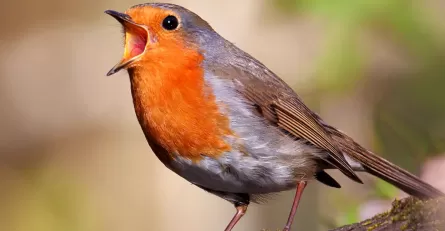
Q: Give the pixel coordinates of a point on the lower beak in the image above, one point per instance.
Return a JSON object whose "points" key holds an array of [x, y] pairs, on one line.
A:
{"points": [[136, 38], [119, 66]]}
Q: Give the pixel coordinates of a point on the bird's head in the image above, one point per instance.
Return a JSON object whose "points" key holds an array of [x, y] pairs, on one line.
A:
{"points": [[159, 32]]}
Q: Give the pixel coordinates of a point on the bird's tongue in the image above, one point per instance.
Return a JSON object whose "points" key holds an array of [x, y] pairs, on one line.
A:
{"points": [[137, 45], [136, 40]]}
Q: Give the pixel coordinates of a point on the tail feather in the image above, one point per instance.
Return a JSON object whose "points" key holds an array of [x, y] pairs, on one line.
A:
{"points": [[384, 169]]}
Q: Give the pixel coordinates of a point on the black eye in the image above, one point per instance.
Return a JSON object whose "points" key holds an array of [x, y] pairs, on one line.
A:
{"points": [[170, 23]]}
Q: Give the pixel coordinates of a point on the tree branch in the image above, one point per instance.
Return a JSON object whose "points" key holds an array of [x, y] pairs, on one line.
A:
{"points": [[406, 215]]}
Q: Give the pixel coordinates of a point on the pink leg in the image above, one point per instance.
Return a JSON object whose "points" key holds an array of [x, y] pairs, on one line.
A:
{"points": [[300, 188], [240, 211]]}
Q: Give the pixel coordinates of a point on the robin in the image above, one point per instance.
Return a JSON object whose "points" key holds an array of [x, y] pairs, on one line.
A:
{"points": [[222, 120]]}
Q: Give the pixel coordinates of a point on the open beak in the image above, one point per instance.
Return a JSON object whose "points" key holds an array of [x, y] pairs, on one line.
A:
{"points": [[136, 38]]}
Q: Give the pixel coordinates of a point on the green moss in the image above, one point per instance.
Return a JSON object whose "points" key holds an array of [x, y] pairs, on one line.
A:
{"points": [[367, 222], [374, 226], [410, 212]]}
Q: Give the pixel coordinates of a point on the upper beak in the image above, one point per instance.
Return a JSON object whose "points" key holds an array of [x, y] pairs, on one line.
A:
{"points": [[136, 38]]}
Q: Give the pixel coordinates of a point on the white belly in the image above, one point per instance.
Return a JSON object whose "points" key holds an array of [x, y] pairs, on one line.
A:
{"points": [[253, 174]]}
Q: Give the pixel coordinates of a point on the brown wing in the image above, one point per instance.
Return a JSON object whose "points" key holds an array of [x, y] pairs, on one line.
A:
{"points": [[283, 108], [300, 122]]}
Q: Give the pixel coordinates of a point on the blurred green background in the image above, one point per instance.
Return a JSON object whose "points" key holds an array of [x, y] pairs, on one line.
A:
{"points": [[72, 156]]}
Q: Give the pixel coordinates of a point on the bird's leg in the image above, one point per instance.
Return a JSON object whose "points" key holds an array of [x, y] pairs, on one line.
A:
{"points": [[240, 200], [240, 211], [300, 188]]}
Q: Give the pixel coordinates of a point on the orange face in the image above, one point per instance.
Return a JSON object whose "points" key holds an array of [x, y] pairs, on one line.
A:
{"points": [[147, 28]]}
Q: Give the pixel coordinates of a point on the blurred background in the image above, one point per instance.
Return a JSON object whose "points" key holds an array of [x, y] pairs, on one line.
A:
{"points": [[72, 155]]}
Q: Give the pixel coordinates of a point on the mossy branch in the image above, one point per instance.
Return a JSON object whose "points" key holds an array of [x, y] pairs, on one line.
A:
{"points": [[406, 215]]}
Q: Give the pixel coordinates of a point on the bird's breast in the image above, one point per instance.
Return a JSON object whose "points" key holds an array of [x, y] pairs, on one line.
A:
{"points": [[180, 114]]}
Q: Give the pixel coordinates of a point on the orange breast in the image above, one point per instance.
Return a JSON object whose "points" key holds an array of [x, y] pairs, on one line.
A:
{"points": [[175, 107]]}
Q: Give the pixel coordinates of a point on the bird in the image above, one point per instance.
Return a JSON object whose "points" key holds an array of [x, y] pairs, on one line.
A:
{"points": [[223, 121]]}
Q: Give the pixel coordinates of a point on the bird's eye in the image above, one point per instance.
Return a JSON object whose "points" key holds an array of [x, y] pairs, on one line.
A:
{"points": [[170, 22]]}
